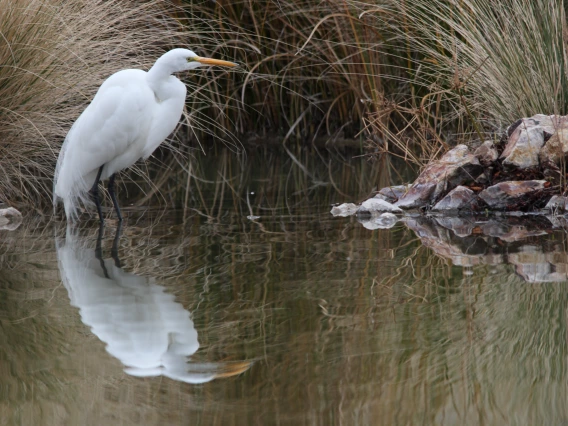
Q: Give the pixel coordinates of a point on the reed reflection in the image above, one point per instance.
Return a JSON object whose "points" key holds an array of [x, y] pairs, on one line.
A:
{"points": [[141, 324]]}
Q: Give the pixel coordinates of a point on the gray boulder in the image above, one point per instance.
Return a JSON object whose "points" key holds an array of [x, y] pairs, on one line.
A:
{"points": [[557, 203], [378, 205], [524, 146], [460, 198], [392, 193], [455, 168], [507, 194], [556, 147], [486, 153], [345, 209]]}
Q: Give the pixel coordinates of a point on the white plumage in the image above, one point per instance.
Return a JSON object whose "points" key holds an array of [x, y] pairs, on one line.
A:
{"points": [[141, 325], [132, 113]]}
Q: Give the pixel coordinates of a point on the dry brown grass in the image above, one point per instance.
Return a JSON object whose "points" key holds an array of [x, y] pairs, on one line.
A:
{"points": [[473, 67], [54, 56], [313, 69], [416, 76]]}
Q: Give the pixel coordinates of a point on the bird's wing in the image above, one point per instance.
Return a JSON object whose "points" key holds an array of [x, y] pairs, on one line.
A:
{"points": [[115, 124]]}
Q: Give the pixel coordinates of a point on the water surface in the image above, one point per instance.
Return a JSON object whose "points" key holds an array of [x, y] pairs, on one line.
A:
{"points": [[254, 306]]}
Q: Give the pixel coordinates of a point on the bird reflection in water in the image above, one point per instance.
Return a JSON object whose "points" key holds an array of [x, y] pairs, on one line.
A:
{"points": [[142, 325]]}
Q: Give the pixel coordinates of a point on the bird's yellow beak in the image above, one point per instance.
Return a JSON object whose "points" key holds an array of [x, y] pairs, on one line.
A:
{"points": [[211, 61]]}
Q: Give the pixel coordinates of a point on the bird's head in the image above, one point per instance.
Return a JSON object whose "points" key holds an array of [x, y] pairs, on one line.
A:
{"points": [[184, 59]]}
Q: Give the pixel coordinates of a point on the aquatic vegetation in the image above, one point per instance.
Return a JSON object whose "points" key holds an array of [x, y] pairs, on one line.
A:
{"points": [[409, 78]]}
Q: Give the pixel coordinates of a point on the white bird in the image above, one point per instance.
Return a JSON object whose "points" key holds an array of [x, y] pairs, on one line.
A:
{"points": [[140, 323], [130, 116]]}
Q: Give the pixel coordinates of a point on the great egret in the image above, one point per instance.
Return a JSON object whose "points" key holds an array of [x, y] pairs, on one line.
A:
{"points": [[129, 117]]}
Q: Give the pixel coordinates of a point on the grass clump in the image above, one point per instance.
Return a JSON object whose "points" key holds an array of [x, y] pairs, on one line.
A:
{"points": [[473, 67], [414, 77], [53, 57], [314, 69]]}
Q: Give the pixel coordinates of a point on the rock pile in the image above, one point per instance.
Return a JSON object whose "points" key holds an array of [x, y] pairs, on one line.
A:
{"points": [[521, 172]]}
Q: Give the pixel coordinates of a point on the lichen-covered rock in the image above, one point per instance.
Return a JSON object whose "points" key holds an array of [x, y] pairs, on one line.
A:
{"points": [[345, 209], [378, 205], [392, 193], [456, 167], [524, 146], [505, 195], [486, 153], [549, 123], [459, 198]]}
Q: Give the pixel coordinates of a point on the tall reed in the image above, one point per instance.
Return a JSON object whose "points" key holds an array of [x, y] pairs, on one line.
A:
{"points": [[314, 69], [474, 65]]}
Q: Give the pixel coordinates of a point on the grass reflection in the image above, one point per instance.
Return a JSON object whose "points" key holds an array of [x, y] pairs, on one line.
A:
{"points": [[344, 325]]}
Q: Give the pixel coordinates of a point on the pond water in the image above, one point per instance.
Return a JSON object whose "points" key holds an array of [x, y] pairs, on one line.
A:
{"points": [[253, 305]]}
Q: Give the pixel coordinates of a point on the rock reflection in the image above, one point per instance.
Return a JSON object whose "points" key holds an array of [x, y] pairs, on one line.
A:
{"points": [[140, 323], [533, 245]]}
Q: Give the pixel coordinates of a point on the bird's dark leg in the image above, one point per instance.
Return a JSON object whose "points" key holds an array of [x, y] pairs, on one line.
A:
{"points": [[99, 249], [114, 250], [113, 196], [95, 194]]}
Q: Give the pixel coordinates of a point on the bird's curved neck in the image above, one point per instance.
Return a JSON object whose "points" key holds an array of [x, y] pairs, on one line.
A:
{"points": [[158, 78]]}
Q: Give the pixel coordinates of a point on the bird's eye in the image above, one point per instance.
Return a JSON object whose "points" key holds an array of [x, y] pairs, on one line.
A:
{"points": [[190, 59]]}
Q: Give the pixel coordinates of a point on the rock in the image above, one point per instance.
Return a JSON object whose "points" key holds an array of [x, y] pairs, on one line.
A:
{"points": [[417, 196], [556, 147], [459, 198], [549, 124], [557, 203], [525, 141], [551, 172], [378, 205], [482, 179], [383, 221], [10, 219], [392, 193], [524, 146], [345, 209], [455, 168], [507, 194], [486, 153]]}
